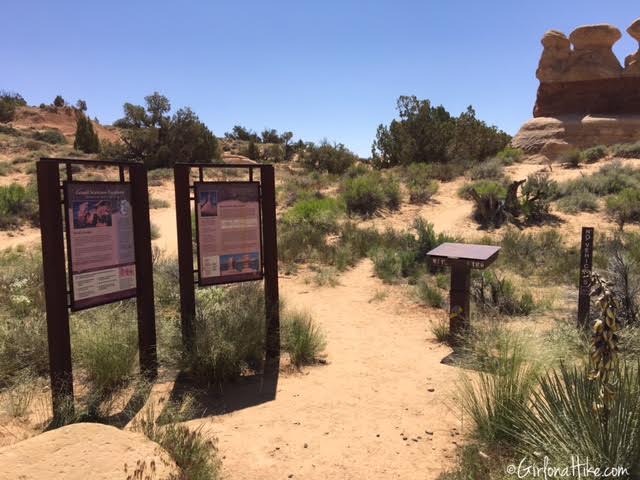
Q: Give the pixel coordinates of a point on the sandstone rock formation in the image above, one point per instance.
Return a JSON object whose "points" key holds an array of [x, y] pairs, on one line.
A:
{"points": [[86, 451], [632, 62], [592, 56], [586, 97], [555, 56], [553, 136]]}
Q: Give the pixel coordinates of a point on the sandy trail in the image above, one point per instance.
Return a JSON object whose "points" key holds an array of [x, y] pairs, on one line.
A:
{"points": [[355, 412]]}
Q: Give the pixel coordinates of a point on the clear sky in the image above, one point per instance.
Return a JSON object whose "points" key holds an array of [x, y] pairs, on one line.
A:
{"points": [[326, 68]]}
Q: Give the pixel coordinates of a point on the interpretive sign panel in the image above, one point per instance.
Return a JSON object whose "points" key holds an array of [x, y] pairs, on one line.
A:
{"points": [[229, 233], [100, 243]]}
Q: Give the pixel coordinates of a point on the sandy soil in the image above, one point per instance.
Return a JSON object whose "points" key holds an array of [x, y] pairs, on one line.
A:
{"points": [[382, 407]]}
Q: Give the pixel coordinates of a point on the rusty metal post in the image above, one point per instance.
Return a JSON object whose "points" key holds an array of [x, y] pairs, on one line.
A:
{"points": [[459, 300], [144, 271], [185, 253], [55, 287], [272, 299]]}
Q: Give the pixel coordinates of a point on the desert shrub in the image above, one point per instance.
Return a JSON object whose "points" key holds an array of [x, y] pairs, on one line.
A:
{"points": [[572, 158], [429, 294], [624, 276], [418, 180], [155, 231], [561, 419], [159, 176], [367, 194], [105, 345], [488, 197], [578, 201], [624, 207], [510, 155], [23, 334], [53, 137], [357, 170], [59, 101], [230, 333], [490, 291], [399, 255], [536, 194], [334, 158], [489, 169], [422, 192], [195, 453], [8, 130], [252, 151], [593, 154], [387, 265], [302, 338], [541, 253], [305, 226], [19, 396], [445, 172], [5, 169], [609, 179], [440, 330], [626, 150], [391, 192], [17, 204], [496, 399], [34, 145], [158, 203]]}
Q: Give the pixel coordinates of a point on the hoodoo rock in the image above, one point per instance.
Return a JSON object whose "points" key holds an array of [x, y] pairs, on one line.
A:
{"points": [[586, 97], [632, 62], [555, 56], [592, 56]]}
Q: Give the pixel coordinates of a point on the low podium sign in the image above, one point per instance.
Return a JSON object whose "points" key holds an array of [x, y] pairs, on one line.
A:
{"points": [[461, 258]]}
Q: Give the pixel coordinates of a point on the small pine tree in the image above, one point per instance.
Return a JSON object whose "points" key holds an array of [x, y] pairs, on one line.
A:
{"points": [[86, 138], [58, 101]]}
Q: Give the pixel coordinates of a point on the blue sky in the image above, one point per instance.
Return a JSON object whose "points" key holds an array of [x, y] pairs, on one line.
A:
{"points": [[320, 69]]}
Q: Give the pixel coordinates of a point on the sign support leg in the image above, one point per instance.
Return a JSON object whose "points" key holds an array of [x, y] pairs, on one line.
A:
{"points": [[144, 272], [459, 300], [185, 254], [55, 288], [272, 300]]}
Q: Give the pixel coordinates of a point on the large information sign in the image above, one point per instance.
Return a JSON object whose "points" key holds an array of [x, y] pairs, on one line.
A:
{"points": [[228, 232], [100, 242]]}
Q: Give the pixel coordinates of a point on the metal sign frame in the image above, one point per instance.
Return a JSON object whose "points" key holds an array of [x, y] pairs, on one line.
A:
{"points": [[189, 277], [53, 227]]}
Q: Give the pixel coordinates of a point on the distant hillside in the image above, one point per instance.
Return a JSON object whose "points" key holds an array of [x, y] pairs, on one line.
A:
{"points": [[62, 119]]}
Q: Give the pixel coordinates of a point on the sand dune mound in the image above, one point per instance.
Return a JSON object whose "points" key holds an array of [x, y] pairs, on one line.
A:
{"points": [[86, 451]]}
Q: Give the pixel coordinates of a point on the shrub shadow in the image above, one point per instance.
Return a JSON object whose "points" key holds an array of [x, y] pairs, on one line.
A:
{"points": [[244, 392]]}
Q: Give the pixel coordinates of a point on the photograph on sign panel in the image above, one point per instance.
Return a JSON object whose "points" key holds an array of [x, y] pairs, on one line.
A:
{"points": [[101, 242], [239, 263], [228, 230], [92, 214], [208, 204]]}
